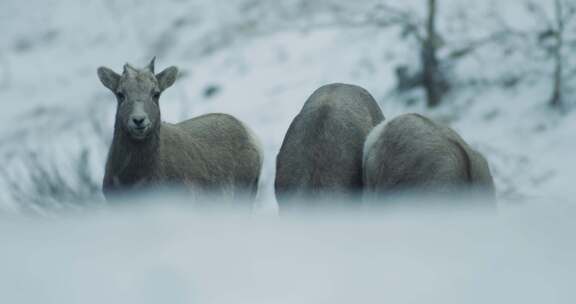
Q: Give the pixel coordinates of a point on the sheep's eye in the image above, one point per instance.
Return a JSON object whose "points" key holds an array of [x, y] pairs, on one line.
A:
{"points": [[156, 94], [120, 96]]}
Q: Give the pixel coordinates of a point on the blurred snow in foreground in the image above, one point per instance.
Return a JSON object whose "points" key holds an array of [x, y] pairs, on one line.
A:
{"points": [[174, 255]]}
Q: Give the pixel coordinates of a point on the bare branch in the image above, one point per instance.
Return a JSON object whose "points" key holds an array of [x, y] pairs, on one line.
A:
{"points": [[5, 68], [556, 99], [539, 13]]}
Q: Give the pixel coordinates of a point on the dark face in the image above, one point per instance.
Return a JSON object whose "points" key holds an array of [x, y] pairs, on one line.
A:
{"points": [[138, 92], [138, 111]]}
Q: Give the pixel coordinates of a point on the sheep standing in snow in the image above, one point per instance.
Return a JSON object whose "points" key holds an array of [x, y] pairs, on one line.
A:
{"points": [[321, 156], [411, 153], [213, 153]]}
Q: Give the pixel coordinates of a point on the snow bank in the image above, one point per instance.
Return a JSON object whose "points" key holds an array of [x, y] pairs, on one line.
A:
{"points": [[172, 255]]}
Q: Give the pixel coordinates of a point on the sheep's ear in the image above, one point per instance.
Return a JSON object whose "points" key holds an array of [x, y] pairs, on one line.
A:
{"points": [[167, 77], [108, 78]]}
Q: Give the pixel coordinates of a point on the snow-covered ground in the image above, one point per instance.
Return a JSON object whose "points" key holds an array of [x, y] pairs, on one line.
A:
{"points": [[171, 255], [263, 59]]}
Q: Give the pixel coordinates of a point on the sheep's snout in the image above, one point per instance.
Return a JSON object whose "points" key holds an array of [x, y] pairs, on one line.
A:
{"points": [[139, 125]]}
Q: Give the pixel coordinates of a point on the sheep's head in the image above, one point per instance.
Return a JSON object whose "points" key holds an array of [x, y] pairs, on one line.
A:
{"points": [[138, 92]]}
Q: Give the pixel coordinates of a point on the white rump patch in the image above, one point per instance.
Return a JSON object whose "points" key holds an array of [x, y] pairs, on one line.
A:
{"points": [[255, 142], [372, 138]]}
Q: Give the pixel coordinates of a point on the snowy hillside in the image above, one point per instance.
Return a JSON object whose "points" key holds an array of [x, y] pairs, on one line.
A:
{"points": [[260, 61]]}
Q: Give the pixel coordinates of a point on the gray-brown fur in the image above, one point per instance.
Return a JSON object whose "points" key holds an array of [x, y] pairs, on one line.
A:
{"points": [[413, 153], [212, 154], [321, 154]]}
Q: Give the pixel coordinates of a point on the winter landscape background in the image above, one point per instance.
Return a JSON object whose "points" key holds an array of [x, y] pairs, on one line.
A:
{"points": [[259, 60]]}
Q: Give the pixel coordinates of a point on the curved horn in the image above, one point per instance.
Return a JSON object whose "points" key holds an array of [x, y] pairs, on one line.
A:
{"points": [[129, 70], [151, 64]]}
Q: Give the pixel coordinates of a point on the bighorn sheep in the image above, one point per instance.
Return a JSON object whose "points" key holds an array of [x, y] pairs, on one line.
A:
{"points": [[211, 154], [321, 156], [413, 154]]}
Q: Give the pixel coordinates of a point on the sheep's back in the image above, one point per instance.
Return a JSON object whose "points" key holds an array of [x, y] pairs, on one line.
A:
{"points": [[215, 151], [322, 150], [413, 152]]}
